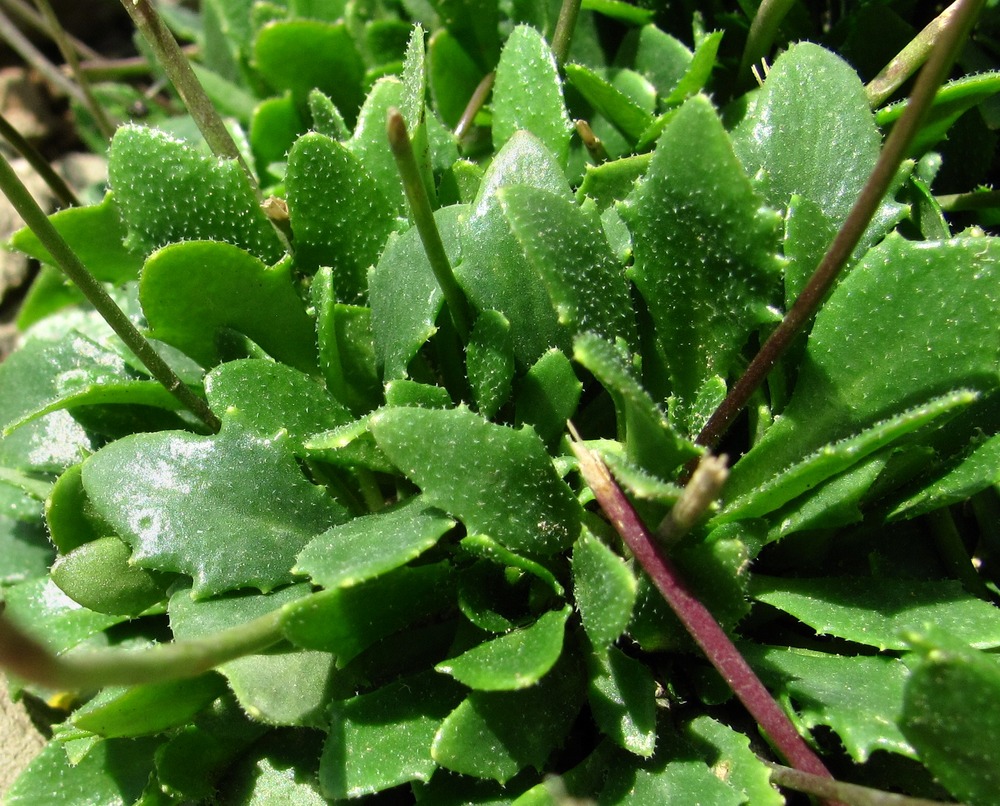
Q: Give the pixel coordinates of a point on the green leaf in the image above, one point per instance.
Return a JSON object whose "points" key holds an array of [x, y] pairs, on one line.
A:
{"points": [[260, 682], [495, 734], [705, 252], [73, 371], [698, 71], [833, 459], [190, 291], [149, 708], [372, 545], [899, 353], [860, 698], [275, 126], [819, 143], [383, 739], [516, 660], [612, 181], [616, 106], [209, 198], [494, 273], [548, 396], [329, 192], [96, 235], [474, 23], [326, 118], [496, 480], [266, 398], [453, 76], [303, 55], [949, 714], [729, 754], [876, 612], [619, 10], [70, 516], [99, 576], [489, 362], [566, 245], [115, 771], [414, 80], [404, 295], [604, 589], [527, 61], [39, 607], [404, 392], [368, 143], [487, 548], [622, 694], [346, 621], [175, 498], [976, 472], [25, 549], [650, 440]]}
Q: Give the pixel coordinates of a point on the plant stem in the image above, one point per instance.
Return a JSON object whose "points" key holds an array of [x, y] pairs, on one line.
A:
{"points": [[847, 238], [479, 96], [19, 43], [695, 617], [569, 11], [598, 153], [42, 167], [908, 60], [92, 289], [852, 794], [34, 19], [130, 67], [25, 657], [763, 30], [58, 33], [178, 69], [423, 218]]}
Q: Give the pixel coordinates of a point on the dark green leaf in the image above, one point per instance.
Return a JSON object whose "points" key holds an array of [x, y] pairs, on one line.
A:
{"points": [[729, 754], [604, 589], [548, 396], [622, 698], [949, 714], [489, 362], [383, 739], [453, 76], [498, 481], [705, 252]]}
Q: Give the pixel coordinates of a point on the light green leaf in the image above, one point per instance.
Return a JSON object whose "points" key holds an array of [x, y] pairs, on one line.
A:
{"points": [[191, 290], [453, 76], [548, 395], [368, 143], [698, 71], [489, 362], [860, 698], [414, 80], [604, 589], [516, 660], [303, 55], [496, 480], [877, 349], [383, 739], [527, 61], [616, 106], [705, 260], [566, 245], [950, 715], [810, 132], [368, 546], [404, 295], [175, 498], [167, 191], [494, 272], [329, 193], [876, 612]]}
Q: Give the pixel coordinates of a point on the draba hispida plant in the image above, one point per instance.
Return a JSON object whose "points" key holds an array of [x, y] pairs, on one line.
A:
{"points": [[352, 465]]}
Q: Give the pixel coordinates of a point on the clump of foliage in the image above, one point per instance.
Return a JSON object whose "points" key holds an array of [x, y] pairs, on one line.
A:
{"points": [[373, 566]]}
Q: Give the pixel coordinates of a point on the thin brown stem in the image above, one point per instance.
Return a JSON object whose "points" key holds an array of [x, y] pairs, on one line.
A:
{"points": [[598, 153], [562, 38], [63, 192], [19, 43], [847, 238], [479, 96], [30, 16]]}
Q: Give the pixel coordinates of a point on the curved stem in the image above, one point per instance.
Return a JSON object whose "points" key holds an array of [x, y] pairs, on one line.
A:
{"points": [[852, 794], [764, 28], [19, 43], [479, 96], [66, 259], [569, 11], [423, 218], [908, 60], [42, 167], [25, 657], [58, 33], [847, 238], [28, 15]]}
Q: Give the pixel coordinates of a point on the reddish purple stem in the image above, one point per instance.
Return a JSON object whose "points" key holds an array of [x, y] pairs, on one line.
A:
{"points": [[696, 618]]}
